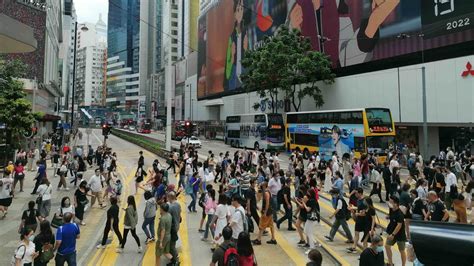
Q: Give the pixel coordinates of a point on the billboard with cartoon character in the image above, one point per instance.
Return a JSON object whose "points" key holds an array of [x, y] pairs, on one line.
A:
{"points": [[350, 32]]}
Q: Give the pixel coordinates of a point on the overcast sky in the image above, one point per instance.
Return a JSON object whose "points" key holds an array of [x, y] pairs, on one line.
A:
{"points": [[89, 10]]}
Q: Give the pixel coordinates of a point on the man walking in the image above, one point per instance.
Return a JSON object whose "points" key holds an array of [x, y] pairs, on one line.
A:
{"points": [[175, 211], [39, 175], [95, 183], [65, 246], [286, 201], [340, 213], [274, 185]]}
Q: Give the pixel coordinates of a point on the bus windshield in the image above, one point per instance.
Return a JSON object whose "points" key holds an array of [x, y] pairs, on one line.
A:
{"points": [[379, 117], [379, 144]]}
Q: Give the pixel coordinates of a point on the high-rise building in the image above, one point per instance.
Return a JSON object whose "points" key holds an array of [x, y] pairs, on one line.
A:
{"points": [[66, 52], [91, 58], [172, 41], [123, 45]]}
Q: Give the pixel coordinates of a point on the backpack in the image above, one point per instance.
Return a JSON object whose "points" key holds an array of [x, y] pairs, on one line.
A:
{"points": [[344, 212], [244, 220], [231, 257]]}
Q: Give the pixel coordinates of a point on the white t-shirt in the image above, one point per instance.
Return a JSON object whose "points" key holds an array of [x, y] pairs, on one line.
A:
{"points": [[201, 173], [69, 209], [450, 180], [45, 191], [237, 223], [5, 189], [95, 183], [274, 186], [25, 252], [339, 204], [393, 163]]}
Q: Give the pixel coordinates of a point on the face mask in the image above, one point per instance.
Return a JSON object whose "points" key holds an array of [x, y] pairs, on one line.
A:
{"points": [[379, 249], [31, 238]]}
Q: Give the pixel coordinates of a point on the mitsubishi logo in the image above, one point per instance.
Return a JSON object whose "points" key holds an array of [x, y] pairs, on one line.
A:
{"points": [[468, 71]]}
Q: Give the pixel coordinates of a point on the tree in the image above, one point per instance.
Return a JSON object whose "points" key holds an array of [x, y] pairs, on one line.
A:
{"points": [[286, 63], [15, 109]]}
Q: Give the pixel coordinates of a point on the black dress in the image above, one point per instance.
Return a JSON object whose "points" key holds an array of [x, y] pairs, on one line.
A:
{"points": [[82, 200]]}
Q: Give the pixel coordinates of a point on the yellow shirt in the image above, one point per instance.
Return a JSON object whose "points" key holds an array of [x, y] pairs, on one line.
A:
{"points": [[10, 168]]}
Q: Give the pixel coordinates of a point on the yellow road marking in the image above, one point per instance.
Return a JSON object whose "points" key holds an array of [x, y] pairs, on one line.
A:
{"points": [[332, 252], [290, 250], [109, 251]]}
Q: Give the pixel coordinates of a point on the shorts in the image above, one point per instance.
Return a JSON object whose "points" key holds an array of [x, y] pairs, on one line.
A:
{"points": [[265, 222], [360, 226], [166, 247], [6, 202], [19, 177], [400, 244]]}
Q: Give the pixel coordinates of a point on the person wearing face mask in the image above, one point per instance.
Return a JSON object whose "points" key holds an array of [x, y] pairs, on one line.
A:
{"points": [[373, 255], [25, 252], [395, 231]]}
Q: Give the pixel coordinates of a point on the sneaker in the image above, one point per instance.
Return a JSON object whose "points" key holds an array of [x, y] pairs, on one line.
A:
{"points": [[257, 242], [351, 250], [306, 245], [278, 225], [201, 231], [301, 243], [291, 229], [100, 246], [273, 242], [140, 250], [83, 224], [265, 233], [328, 238], [67, 189], [119, 250]]}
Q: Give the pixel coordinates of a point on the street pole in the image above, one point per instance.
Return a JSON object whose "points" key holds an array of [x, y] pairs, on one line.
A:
{"points": [[425, 119], [74, 75]]}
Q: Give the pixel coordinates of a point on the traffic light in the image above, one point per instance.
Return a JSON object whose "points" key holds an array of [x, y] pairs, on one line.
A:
{"points": [[105, 130], [188, 126]]}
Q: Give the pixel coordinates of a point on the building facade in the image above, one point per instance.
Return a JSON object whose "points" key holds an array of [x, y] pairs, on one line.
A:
{"points": [[41, 78], [382, 69], [91, 62], [66, 53], [172, 31]]}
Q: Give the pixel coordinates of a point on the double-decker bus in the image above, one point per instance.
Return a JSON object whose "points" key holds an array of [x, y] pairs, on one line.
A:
{"points": [[364, 130], [144, 126], [258, 131]]}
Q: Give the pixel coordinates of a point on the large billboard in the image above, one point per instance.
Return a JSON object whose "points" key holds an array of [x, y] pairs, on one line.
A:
{"points": [[350, 32]]}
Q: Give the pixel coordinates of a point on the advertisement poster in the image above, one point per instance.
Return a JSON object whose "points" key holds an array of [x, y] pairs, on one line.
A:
{"points": [[335, 139], [350, 32]]}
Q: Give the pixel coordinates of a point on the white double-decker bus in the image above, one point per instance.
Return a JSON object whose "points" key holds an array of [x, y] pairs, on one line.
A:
{"points": [[258, 131]]}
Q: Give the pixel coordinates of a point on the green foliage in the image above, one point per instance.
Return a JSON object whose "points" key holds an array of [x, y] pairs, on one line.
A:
{"points": [[15, 109], [142, 141], [286, 63]]}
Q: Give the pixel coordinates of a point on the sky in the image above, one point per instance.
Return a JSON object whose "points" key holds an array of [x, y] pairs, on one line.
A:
{"points": [[89, 10]]}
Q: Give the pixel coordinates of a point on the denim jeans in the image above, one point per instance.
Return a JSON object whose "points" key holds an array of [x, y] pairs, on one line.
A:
{"points": [[192, 205], [345, 227], [150, 222], [69, 258], [208, 224], [288, 216], [275, 207]]}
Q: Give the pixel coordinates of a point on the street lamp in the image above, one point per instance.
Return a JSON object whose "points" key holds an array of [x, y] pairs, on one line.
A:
{"points": [[84, 28]]}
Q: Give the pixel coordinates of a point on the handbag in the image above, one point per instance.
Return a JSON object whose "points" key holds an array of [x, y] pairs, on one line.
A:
{"points": [[47, 253], [39, 199], [57, 221]]}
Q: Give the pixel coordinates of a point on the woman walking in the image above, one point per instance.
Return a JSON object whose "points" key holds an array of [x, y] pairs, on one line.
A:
{"points": [[245, 250], [220, 218], [44, 244], [210, 209], [44, 191], [130, 224], [29, 218], [6, 193], [80, 201], [62, 175], [25, 252], [111, 223], [19, 175], [309, 206], [149, 215]]}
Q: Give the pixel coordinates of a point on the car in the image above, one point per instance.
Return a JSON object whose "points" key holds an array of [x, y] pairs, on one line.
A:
{"points": [[131, 128], [125, 127], [194, 141]]}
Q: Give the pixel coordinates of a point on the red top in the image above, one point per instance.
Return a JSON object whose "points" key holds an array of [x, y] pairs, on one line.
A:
{"points": [[19, 169], [246, 261]]}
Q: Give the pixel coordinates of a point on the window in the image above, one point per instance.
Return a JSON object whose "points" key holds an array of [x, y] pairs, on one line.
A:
{"points": [[305, 139], [174, 24], [359, 144], [174, 15], [260, 119], [233, 134], [233, 119], [291, 119]]}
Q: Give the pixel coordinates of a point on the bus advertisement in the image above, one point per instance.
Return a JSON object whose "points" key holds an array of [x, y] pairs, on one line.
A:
{"points": [[369, 130], [257, 131]]}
